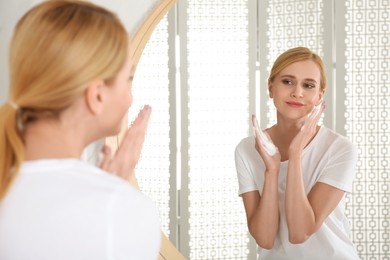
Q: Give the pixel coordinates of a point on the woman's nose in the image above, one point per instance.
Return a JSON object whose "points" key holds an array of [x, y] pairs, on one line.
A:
{"points": [[297, 92]]}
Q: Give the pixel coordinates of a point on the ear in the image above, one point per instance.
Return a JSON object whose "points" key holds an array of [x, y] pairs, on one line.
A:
{"points": [[271, 94], [321, 96], [94, 96]]}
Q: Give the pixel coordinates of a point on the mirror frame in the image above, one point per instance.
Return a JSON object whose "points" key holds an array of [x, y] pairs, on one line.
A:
{"points": [[138, 43]]}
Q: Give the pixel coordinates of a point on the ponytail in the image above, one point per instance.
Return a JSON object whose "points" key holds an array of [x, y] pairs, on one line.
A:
{"points": [[11, 146]]}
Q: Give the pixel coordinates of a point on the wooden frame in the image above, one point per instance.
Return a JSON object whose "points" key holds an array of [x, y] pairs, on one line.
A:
{"points": [[138, 43]]}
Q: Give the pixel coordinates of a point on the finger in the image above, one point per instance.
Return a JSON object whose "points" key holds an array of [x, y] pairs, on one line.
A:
{"points": [[316, 119], [323, 106], [143, 116], [134, 137], [313, 118], [264, 145], [320, 110], [128, 154], [256, 130], [256, 127], [140, 123]]}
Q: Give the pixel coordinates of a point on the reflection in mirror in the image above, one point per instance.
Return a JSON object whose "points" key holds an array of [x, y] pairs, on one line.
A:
{"points": [[212, 49]]}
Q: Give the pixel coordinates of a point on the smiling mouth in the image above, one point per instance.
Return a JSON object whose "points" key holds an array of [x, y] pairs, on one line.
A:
{"points": [[294, 104]]}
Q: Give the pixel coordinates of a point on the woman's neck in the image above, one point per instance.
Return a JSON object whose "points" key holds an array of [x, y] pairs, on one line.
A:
{"points": [[283, 132], [46, 139], [64, 137]]}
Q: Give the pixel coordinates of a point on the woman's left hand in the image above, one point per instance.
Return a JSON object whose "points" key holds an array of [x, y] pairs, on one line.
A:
{"points": [[308, 130], [126, 157]]}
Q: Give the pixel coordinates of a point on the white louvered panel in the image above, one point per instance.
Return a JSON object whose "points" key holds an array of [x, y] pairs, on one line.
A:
{"points": [[217, 49], [368, 123]]}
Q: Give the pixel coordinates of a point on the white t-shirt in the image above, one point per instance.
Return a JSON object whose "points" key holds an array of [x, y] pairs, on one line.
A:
{"points": [[329, 158], [68, 209]]}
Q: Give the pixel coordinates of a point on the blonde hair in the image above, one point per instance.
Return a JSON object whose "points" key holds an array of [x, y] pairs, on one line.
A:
{"points": [[58, 47], [294, 55]]}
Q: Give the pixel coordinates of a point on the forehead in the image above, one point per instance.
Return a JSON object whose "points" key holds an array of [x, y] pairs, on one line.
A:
{"points": [[307, 69]]}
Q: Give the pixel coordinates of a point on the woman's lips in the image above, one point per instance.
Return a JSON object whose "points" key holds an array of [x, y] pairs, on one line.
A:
{"points": [[294, 104]]}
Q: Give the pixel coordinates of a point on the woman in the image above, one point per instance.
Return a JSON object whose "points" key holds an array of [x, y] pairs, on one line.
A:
{"points": [[295, 198], [70, 85]]}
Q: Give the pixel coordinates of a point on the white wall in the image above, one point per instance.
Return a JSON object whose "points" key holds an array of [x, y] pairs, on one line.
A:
{"points": [[131, 12], [10, 12]]}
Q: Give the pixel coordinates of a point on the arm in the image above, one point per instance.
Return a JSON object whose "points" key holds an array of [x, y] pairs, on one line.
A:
{"points": [[306, 213], [263, 211]]}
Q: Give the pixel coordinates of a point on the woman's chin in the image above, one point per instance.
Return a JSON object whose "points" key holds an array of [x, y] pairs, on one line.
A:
{"points": [[114, 131], [117, 131]]}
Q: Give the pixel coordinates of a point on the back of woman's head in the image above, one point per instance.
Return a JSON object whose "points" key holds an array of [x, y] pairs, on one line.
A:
{"points": [[294, 55], [58, 47]]}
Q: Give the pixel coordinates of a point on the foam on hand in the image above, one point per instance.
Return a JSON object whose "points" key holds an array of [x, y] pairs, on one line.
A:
{"points": [[265, 141], [316, 109]]}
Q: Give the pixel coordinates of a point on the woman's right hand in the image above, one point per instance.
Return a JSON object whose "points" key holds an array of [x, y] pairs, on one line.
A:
{"points": [[272, 162], [126, 157]]}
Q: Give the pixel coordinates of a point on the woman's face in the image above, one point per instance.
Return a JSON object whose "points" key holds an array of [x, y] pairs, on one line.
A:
{"points": [[120, 97], [296, 89]]}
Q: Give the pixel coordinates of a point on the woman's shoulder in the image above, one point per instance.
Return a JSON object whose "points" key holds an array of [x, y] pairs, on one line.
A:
{"points": [[335, 141], [115, 186], [104, 186], [245, 145], [245, 142], [329, 134], [75, 173]]}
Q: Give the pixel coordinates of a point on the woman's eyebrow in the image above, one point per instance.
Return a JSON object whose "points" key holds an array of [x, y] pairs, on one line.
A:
{"points": [[312, 80], [287, 76], [293, 77]]}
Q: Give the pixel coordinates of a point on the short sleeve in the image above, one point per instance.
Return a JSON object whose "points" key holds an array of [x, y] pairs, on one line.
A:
{"points": [[339, 170], [133, 226], [242, 156]]}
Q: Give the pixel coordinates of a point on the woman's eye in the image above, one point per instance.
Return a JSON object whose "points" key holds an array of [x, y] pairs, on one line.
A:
{"points": [[287, 82], [309, 85]]}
